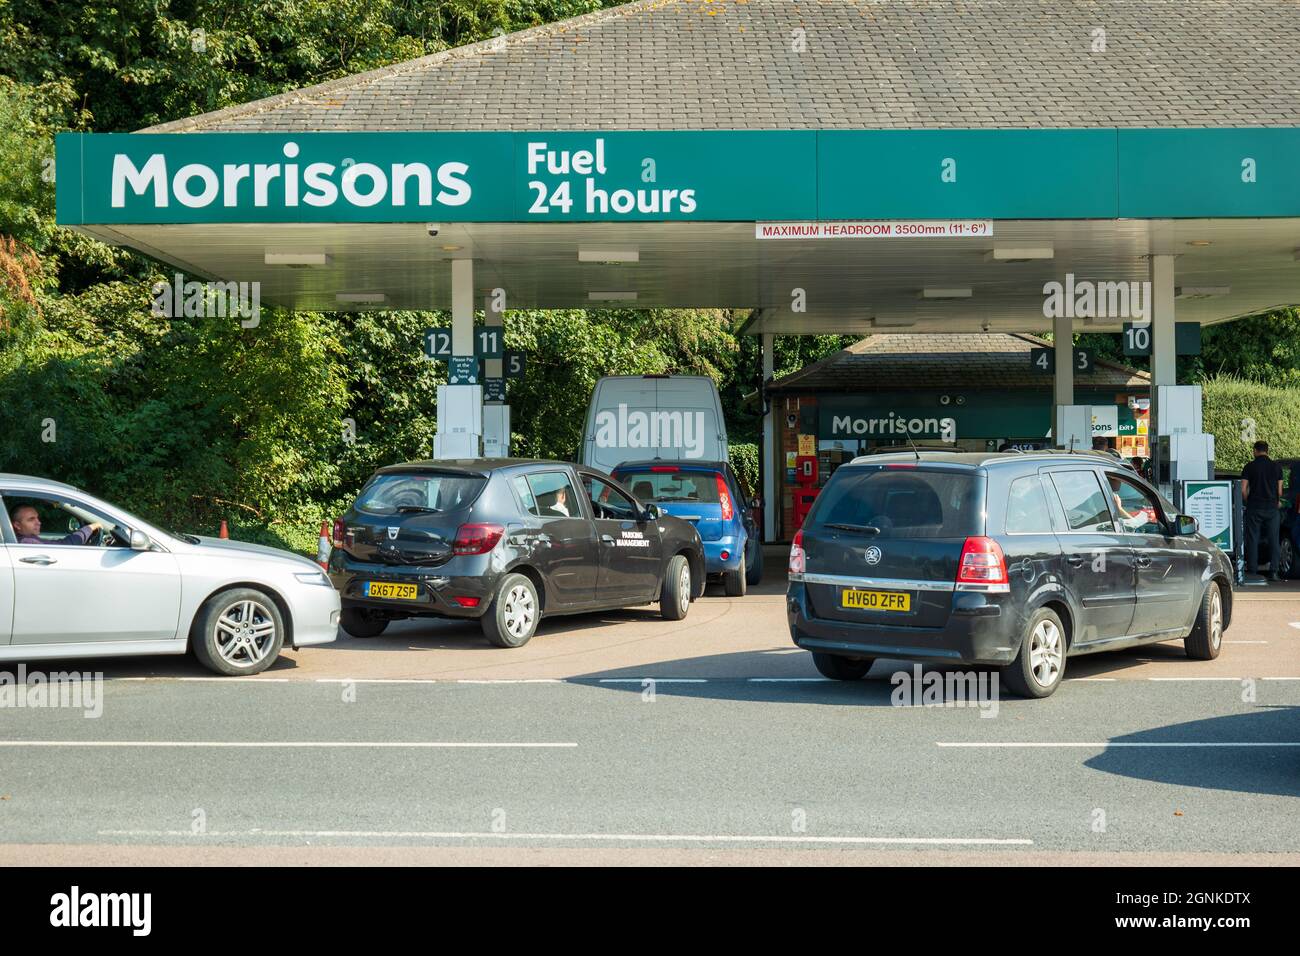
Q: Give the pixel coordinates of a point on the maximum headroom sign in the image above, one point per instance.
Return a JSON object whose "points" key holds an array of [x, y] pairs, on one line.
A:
{"points": [[959, 177]]}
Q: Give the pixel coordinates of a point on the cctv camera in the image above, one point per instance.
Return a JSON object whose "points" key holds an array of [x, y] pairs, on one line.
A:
{"points": [[432, 228]]}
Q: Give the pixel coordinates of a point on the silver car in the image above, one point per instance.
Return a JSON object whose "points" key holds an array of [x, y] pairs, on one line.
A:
{"points": [[133, 589]]}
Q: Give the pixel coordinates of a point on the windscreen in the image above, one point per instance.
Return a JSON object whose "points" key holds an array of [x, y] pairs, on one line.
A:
{"points": [[424, 493], [903, 502], [671, 486]]}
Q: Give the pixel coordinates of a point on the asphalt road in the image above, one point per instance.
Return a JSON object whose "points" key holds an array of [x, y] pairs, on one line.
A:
{"points": [[625, 739]]}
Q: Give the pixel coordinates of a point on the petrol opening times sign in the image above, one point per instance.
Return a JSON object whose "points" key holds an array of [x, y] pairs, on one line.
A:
{"points": [[868, 229]]}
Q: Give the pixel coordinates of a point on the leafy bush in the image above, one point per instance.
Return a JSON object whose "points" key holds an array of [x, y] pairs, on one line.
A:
{"points": [[744, 462], [1231, 404]]}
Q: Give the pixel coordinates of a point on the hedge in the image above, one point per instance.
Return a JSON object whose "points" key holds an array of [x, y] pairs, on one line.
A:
{"points": [[1232, 404], [744, 461]]}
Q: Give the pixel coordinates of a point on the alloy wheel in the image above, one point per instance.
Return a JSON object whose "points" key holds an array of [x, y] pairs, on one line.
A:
{"points": [[1045, 653], [245, 633]]}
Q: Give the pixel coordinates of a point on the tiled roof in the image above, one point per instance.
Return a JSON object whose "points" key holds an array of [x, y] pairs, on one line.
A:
{"points": [[989, 360], [832, 64]]}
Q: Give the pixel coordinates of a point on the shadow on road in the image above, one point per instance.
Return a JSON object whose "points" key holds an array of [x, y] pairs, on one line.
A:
{"points": [[1270, 770]]}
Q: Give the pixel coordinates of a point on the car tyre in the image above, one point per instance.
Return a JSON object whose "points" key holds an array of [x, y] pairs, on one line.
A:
{"points": [[754, 569], [512, 619], [360, 622], [1039, 666], [1286, 560], [675, 595], [1206, 639], [735, 581], [835, 667], [237, 632]]}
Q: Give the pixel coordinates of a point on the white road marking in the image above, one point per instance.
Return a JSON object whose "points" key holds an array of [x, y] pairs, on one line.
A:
{"points": [[657, 680], [516, 680], [789, 680], [224, 680], [1027, 744], [304, 744], [1173, 679], [1295, 624], [375, 680], [619, 837]]}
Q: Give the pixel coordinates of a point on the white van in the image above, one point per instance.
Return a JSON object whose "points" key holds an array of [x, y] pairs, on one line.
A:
{"points": [[637, 417]]}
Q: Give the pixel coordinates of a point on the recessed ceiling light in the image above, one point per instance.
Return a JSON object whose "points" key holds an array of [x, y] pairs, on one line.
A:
{"points": [[451, 248], [611, 296], [953, 293], [297, 259], [1199, 242], [609, 255], [1018, 253], [359, 297]]}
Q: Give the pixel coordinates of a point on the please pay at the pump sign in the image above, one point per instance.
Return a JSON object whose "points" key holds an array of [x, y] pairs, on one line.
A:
{"points": [[599, 200]]}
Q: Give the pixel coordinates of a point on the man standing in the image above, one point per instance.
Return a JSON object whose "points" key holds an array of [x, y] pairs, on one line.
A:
{"points": [[1261, 490]]}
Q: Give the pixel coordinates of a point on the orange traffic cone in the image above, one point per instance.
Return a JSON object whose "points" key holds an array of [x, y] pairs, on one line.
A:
{"points": [[224, 532], [323, 546]]}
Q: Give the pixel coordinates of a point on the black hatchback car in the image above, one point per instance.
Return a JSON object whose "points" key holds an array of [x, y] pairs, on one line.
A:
{"points": [[506, 541], [1013, 560]]}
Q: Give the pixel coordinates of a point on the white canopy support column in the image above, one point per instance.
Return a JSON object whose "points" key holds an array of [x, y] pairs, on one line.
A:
{"points": [[496, 416], [768, 459], [1071, 423], [460, 407]]}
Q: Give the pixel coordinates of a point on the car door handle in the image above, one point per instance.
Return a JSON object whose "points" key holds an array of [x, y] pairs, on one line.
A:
{"points": [[40, 559], [1143, 561], [1075, 561], [606, 539]]}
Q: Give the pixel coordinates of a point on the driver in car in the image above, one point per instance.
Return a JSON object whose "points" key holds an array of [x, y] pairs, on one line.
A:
{"points": [[27, 526]]}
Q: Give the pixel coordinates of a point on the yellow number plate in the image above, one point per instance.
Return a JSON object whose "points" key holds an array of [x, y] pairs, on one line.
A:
{"points": [[876, 600], [385, 589]]}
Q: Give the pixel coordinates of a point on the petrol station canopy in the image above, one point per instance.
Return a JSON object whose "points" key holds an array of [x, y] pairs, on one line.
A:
{"points": [[679, 153]]}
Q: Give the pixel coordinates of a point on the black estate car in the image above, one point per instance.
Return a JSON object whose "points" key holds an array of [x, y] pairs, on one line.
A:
{"points": [[1015, 560], [506, 541]]}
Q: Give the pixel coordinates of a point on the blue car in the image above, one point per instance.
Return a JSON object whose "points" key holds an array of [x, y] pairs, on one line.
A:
{"points": [[707, 494]]}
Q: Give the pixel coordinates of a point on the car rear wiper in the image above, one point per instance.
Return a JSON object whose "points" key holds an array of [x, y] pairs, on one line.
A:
{"points": [[415, 509], [860, 528]]}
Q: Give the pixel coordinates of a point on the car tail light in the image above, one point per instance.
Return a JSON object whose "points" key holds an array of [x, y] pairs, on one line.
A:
{"points": [[724, 497], [477, 538], [982, 562], [797, 562], [340, 529], [464, 601]]}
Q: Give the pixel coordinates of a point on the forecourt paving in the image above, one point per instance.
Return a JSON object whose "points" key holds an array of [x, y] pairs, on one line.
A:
{"points": [[721, 638]]}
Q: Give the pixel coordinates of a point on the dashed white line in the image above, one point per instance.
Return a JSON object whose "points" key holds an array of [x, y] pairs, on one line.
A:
{"points": [[614, 837], [293, 744]]}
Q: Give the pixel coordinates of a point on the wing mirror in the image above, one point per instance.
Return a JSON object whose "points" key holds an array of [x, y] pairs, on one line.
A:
{"points": [[1186, 524], [652, 513], [140, 541]]}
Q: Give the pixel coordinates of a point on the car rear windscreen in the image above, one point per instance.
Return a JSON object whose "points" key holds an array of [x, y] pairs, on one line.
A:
{"points": [[903, 502], [672, 486], [422, 493]]}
